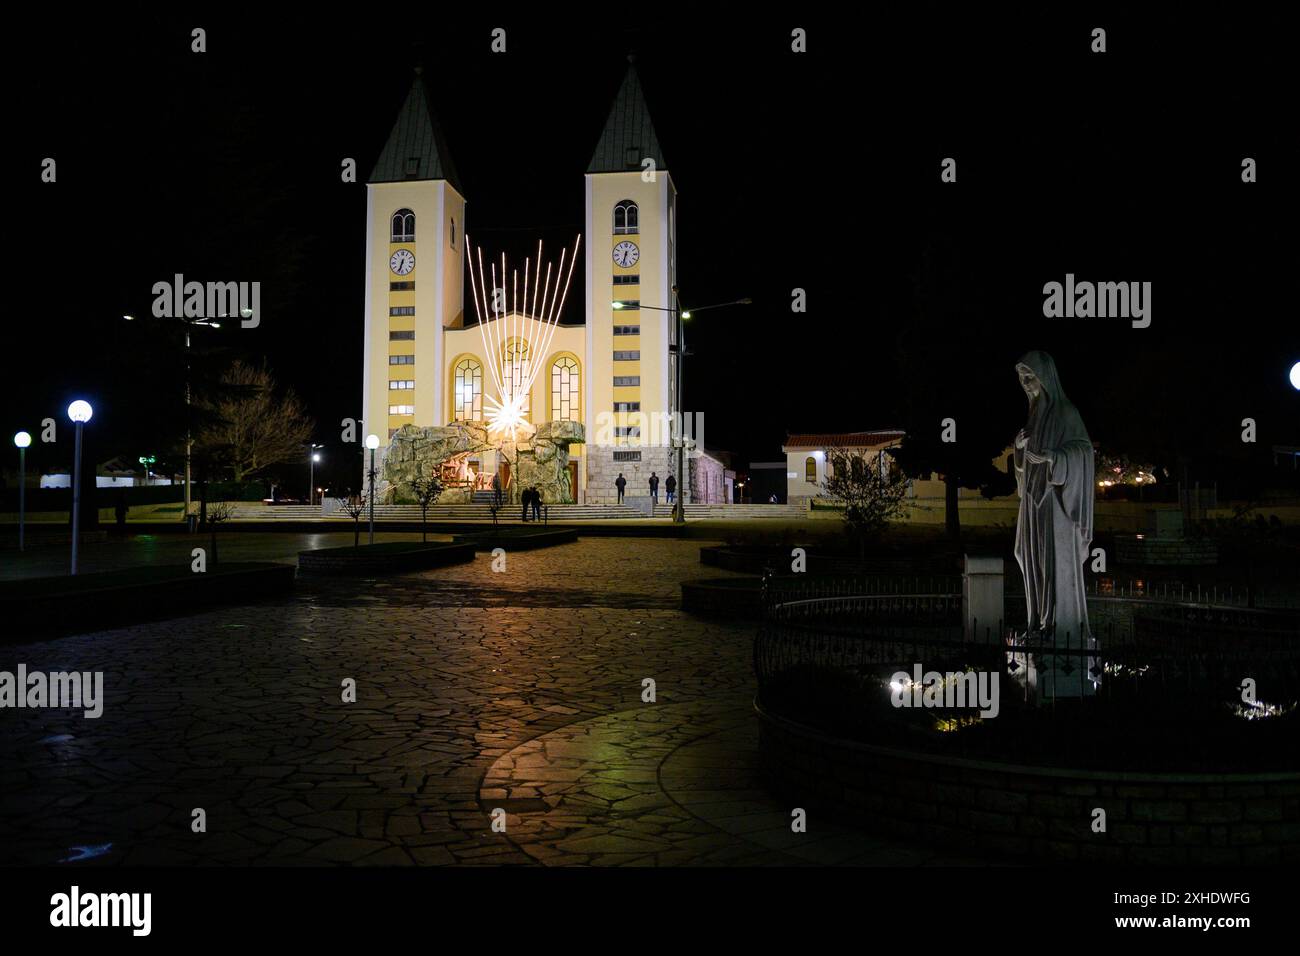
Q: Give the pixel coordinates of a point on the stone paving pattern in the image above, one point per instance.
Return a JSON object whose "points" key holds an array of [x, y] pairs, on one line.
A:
{"points": [[475, 690]]}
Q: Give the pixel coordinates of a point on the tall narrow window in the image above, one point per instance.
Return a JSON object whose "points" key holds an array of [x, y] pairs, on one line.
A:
{"points": [[469, 391], [810, 470], [565, 388], [403, 226], [625, 218], [453, 233], [516, 373]]}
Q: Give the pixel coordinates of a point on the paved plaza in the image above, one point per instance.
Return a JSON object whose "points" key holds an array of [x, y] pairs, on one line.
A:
{"points": [[475, 691]]}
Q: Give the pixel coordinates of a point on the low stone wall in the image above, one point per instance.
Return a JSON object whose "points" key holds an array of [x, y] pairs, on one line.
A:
{"points": [[1039, 813], [1151, 550], [521, 541], [381, 558], [94, 602]]}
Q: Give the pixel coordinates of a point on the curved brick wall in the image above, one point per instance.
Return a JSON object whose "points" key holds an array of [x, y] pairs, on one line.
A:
{"points": [[1042, 813]]}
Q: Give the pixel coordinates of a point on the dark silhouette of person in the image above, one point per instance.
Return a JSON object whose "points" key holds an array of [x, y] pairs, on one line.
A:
{"points": [[526, 499], [496, 489], [654, 488], [119, 510], [620, 483], [670, 487], [537, 504]]}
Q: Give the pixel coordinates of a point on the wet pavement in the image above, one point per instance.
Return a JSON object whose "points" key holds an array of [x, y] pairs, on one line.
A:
{"points": [[476, 691]]}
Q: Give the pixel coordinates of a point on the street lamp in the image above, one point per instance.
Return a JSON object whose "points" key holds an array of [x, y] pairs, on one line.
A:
{"points": [[22, 440], [313, 456], [80, 412], [678, 349], [372, 442]]}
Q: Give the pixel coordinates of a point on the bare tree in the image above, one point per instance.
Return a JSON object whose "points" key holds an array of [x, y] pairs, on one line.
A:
{"points": [[253, 425], [355, 507], [426, 490], [217, 513], [872, 496]]}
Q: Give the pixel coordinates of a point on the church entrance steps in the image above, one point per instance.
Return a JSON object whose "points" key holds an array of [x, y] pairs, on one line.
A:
{"points": [[734, 512]]}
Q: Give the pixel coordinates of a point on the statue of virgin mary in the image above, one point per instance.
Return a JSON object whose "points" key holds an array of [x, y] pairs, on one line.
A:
{"points": [[1054, 478]]}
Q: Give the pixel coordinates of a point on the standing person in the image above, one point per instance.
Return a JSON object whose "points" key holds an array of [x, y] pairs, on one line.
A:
{"points": [[620, 483], [526, 499], [496, 489], [119, 511], [670, 486], [654, 488], [537, 505]]}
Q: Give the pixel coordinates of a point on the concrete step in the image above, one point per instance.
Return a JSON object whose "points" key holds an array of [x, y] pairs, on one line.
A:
{"points": [[735, 512]]}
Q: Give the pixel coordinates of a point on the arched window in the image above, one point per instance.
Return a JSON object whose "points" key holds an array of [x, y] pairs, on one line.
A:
{"points": [[403, 226], [626, 218], [516, 373], [469, 391], [810, 470], [565, 389]]}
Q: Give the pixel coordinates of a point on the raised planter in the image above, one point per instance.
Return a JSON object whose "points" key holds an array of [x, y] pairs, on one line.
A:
{"points": [[38, 607], [389, 558], [1041, 813], [517, 539]]}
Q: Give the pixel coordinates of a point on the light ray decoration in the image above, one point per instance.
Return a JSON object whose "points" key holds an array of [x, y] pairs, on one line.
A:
{"points": [[503, 328]]}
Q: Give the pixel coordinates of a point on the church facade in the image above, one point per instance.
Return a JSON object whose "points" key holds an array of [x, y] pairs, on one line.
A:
{"points": [[424, 354]]}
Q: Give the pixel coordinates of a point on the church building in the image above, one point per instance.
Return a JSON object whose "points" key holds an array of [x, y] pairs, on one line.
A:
{"points": [[424, 353]]}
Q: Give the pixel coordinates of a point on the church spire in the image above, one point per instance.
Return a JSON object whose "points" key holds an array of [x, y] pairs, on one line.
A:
{"points": [[629, 135], [416, 148]]}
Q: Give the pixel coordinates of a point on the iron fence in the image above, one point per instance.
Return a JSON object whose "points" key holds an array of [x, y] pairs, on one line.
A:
{"points": [[1182, 685]]}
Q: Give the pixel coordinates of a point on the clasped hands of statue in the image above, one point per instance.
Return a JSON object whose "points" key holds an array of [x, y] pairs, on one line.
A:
{"points": [[1033, 457]]}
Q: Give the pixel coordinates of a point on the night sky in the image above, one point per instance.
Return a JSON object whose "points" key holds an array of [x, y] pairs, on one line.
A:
{"points": [[816, 171]]}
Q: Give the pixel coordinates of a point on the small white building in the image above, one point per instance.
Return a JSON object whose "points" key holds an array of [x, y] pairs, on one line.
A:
{"points": [[806, 456]]}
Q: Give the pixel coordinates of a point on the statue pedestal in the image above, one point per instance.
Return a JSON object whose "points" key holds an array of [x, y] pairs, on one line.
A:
{"points": [[1050, 676], [981, 600]]}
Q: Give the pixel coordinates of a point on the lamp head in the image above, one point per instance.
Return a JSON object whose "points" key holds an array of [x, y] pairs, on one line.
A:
{"points": [[372, 442], [80, 411], [22, 440]]}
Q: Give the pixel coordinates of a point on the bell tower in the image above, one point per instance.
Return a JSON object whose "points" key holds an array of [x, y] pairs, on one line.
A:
{"points": [[631, 217], [415, 226]]}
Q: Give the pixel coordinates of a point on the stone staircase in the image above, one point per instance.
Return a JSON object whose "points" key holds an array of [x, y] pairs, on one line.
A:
{"points": [[733, 512], [472, 511]]}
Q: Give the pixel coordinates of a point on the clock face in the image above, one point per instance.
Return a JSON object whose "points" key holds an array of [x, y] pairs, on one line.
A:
{"points": [[626, 254], [402, 262]]}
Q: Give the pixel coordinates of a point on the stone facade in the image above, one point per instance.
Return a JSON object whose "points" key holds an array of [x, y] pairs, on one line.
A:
{"points": [[539, 458], [706, 475], [602, 470]]}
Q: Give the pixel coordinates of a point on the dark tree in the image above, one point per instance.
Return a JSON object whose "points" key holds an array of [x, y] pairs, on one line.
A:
{"points": [[949, 370], [354, 506], [426, 490], [871, 498]]}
